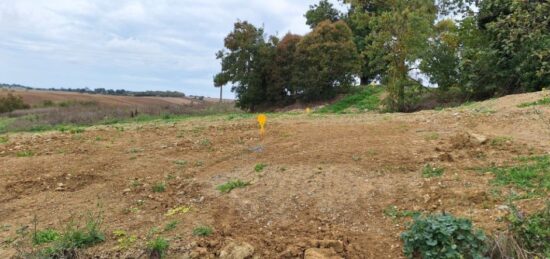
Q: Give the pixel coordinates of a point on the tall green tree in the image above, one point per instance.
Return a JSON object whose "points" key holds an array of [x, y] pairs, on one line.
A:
{"points": [[519, 37], [441, 60], [358, 17], [285, 65], [320, 12], [328, 62], [399, 35], [245, 64]]}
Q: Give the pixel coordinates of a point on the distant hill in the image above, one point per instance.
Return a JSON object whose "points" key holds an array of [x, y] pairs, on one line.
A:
{"points": [[118, 92]]}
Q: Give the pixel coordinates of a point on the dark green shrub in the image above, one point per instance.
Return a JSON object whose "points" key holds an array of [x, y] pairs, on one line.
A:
{"points": [[443, 236], [11, 102]]}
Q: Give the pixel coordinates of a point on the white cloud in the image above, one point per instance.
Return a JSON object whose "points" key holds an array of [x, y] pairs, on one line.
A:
{"points": [[129, 42]]}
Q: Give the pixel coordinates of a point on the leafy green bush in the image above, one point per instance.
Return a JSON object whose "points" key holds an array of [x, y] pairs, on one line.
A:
{"points": [[11, 102], [443, 236]]}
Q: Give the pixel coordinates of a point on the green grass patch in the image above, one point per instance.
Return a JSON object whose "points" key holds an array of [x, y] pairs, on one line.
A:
{"points": [[4, 139], [366, 98], [430, 171], [45, 236], [532, 175], [159, 187], [75, 237], [500, 141], [180, 162], [229, 186], [533, 231], [544, 101], [393, 212], [25, 153], [157, 247], [202, 231], [171, 225], [259, 167]]}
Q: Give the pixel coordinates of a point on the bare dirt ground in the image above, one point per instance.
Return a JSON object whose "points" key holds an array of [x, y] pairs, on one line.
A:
{"points": [[327, 182]]}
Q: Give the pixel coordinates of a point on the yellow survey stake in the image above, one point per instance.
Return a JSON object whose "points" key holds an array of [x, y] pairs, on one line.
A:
{"points": [[262, 119]]}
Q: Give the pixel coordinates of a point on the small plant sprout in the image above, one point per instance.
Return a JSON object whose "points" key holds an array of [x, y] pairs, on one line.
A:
{"points": [[259, 167], [159, 187], [202, 231], [171, 225], [431, 171], [229, 186], [180, 163]]}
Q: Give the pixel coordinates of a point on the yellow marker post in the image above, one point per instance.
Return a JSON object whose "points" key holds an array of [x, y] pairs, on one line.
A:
{"points": [[262, 119], [308, 110]]}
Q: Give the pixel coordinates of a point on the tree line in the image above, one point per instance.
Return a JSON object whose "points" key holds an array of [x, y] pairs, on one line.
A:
{"points": [[119, 92], [469, 49]]}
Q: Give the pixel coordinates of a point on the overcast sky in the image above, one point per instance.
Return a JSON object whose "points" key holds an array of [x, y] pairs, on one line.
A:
{"points": [[134, 45]]}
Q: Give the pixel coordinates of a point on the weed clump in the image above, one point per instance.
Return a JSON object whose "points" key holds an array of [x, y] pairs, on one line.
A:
{"points": [[260, 167], [202, 231], [50, 243], [45, 236], [159, 187], [26, 153], [171, 225], [429, 171], [544, 101], [157, 247], [530, 175], [443, 236], [229, 186], [526, 237]]}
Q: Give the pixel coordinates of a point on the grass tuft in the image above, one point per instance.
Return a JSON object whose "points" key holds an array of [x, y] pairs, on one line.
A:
{"points": [[429, 171], [202, 231], [159, 187], [229, 186], [544, 101], [364, 99], [157, 247], [260, 167]]}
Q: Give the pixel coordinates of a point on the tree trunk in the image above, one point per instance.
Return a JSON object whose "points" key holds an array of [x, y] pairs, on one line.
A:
{"points": [[221, 94], [364, 80]]}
